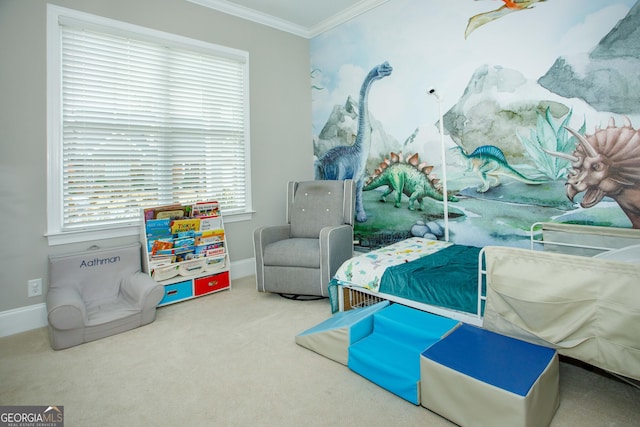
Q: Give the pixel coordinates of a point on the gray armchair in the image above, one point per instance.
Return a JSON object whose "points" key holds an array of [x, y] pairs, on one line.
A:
{"points": [[300, 257], [97, 293]]}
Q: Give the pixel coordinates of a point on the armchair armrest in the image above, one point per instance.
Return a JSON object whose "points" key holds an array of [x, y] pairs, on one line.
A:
{"points": [[263, 236], [65, 308], [140, 289], [336, 246]]}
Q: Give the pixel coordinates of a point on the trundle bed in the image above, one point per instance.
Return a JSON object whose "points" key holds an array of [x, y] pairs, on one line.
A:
{"points": [[577, 289]]}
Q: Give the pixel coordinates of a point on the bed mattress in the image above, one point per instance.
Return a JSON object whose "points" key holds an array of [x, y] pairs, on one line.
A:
{"points": [[426, 271]]}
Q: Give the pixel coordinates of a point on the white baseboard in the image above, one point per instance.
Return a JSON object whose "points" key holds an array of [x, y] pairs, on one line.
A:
{"points": [[35, 316], [243, 268], [23, 319]]}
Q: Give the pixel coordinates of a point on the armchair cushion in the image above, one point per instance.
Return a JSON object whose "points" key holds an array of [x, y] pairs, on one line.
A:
{"points": [[293, 252], [314, 205]]}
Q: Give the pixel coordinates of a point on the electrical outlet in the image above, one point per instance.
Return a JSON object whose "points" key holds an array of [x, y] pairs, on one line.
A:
{"points": [[34, 287]]}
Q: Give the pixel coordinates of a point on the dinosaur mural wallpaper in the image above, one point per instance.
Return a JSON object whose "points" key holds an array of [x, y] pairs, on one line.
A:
{"points": [[540, 116]]}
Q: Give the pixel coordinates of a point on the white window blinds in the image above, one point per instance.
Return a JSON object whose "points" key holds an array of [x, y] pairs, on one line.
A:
{"points": [[146, 122]]}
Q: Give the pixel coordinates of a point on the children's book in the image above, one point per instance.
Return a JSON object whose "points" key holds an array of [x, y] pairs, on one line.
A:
{"points": [[168, 211], [156, 227], [200, 209], [182, 225]]}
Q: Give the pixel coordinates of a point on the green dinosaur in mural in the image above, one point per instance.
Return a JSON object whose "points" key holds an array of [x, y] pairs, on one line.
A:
{"points": [[410, 178], [489, 162]]}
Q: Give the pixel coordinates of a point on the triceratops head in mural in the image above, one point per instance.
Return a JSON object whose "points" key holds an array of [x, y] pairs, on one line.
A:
{"points": [[606, 163]]}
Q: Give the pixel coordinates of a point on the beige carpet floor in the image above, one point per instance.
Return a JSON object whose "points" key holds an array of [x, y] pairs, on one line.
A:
{"points": [[230, 359]]}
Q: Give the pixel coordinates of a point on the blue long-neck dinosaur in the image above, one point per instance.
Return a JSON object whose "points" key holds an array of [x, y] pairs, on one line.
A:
{"points": [[350, 161]]}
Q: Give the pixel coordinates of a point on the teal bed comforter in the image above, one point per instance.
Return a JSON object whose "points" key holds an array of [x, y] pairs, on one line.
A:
{"points": [[447, 278]]}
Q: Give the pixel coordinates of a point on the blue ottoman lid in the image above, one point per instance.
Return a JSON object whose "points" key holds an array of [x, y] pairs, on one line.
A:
{"points": [[508, 363]]}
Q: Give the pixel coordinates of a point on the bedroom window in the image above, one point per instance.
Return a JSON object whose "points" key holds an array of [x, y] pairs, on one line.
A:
{"points": [[139, 118]]}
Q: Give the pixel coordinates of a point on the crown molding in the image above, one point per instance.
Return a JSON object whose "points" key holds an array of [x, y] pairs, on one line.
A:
{"points": [[253, 15], [344, 16], [283, 25]]}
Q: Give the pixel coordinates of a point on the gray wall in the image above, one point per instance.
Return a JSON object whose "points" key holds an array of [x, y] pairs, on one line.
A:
{"points": [[281, 147]]}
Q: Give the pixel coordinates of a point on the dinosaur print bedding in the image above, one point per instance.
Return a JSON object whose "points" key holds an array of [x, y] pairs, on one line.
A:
{"points": [[366, 270], [421, 270]]}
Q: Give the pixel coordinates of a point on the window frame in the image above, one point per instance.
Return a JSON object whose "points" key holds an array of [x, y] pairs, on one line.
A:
{"points": [[55, 14]]}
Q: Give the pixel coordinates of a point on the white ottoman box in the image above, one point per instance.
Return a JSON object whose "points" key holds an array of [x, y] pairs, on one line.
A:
{"points": [[475, 377]]}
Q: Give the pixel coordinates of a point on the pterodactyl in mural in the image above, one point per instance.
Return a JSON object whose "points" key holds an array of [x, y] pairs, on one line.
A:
{"points": [[508, 7]]}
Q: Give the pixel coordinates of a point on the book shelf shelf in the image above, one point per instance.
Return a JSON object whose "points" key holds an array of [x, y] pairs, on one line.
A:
{"points": [[185, 249]]}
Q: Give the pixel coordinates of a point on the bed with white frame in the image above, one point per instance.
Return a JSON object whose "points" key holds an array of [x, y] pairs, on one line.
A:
{"points": [[360, 280], [554, 293]]}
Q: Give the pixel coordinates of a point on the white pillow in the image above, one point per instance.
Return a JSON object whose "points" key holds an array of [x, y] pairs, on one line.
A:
{"points": [[628, 254]]}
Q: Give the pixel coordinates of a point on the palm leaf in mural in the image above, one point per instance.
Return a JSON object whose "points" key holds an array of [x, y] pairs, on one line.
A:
{"points": [[508, 7], [550, 137]]}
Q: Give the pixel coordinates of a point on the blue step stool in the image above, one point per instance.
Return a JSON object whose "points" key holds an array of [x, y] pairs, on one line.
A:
{"points": [[333, 337], [475, 377], [390, 356]]}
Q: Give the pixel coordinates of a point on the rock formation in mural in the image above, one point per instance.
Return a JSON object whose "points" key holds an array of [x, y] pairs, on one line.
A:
{"points": [[607, 78], [350, 161], [497, 103], [339, 129], [342, 126]]}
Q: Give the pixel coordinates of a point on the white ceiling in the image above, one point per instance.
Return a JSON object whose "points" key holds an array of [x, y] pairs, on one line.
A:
{"points": [[306, 18]]}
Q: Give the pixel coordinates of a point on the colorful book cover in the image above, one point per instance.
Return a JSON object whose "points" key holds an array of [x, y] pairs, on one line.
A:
{"points": [[161, 245], [151, 239], [210, 223], [205, 249], [210, 236], [167, 211], [186, 241], [211, 208], [156, 227], [175, 251], [214, 252], [182, 225]]}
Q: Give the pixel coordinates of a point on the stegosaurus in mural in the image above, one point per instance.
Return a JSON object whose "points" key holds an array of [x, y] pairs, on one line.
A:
{"points": [[410, 177]]}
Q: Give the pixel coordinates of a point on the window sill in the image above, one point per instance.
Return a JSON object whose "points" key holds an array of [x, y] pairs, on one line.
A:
{"points": [[69, 237]]}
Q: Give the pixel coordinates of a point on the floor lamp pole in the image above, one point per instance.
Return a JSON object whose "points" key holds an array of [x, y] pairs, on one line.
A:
{"points": [[445, 195]]}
